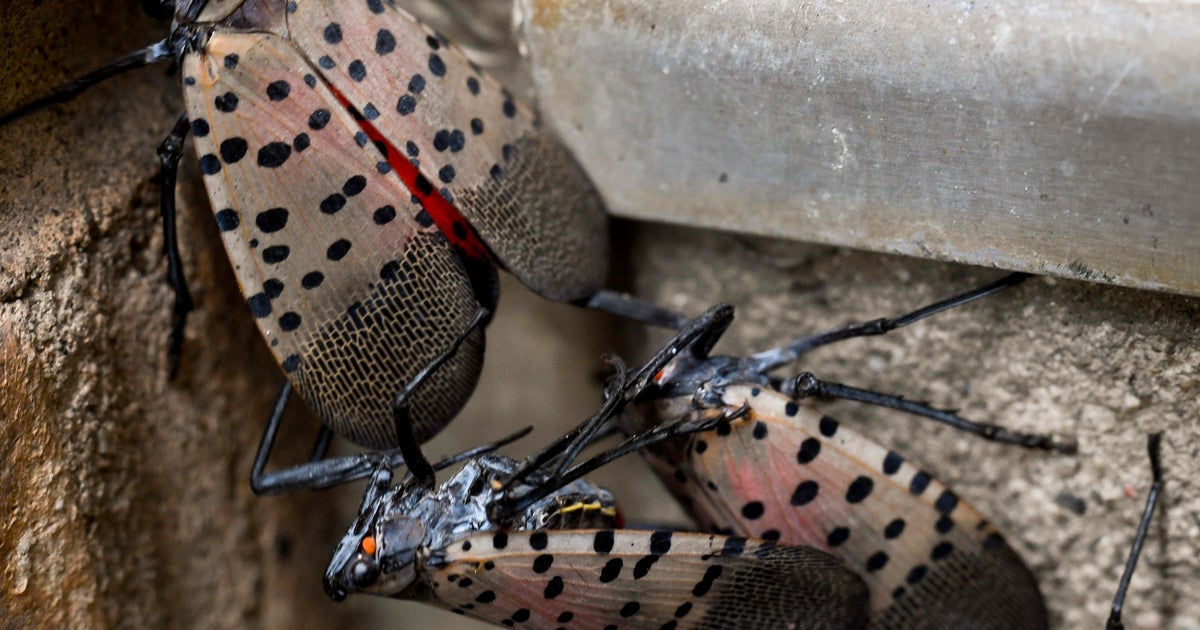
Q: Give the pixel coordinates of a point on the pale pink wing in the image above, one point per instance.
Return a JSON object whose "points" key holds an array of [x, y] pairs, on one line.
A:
{"points": [[786, 473], [516, 186], [643, 579], [352, 289]]}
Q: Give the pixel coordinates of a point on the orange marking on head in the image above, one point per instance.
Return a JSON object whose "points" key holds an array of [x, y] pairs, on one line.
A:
{"points": [[368, 545]]}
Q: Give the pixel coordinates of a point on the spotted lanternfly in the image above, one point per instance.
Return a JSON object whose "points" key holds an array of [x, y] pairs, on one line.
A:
{"points": [[785, 472], [367, 180], [416, 543], [498, 542]]}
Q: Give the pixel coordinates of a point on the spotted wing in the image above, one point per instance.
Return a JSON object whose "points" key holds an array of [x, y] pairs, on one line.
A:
{"points": [[642, 579], [786, 473], [353, 290], [516, 186]]}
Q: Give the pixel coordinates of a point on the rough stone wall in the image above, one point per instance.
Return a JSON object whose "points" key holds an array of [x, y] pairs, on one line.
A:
{"points": [[124, 498]]}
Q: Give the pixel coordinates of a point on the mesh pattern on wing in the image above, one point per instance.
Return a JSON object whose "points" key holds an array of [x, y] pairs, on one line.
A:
{"points": [[544, 221], [643, 579], [763, 594], [356, 364], [992, 589], [352, 291]]}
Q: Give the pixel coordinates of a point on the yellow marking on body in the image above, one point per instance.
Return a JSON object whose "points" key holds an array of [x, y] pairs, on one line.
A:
{"points": [[595, 505]]}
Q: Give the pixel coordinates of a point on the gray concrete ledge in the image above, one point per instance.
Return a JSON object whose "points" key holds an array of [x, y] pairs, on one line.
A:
{"points": [[1056, 138]]}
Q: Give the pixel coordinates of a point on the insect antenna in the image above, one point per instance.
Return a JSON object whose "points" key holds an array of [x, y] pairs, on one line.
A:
{"points": [[776, 357], [381, 480], [154, 53], [169, 154], [1154, 446]]}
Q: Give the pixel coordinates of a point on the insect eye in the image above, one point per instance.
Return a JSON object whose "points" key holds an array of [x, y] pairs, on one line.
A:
{"points": [[364, 573]]}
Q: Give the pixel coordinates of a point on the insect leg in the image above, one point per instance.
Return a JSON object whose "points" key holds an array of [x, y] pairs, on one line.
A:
{"points": [[701, 332], [1154, 446], [805, 385], [169, 154], [259, 483], [629, 307], [320, 473], [550, 469], [417, 463], [776, 357], [325, 473], [537, 489], [158, 51], [321, 446]]}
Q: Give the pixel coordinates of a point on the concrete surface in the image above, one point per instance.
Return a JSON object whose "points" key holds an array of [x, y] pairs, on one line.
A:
{"points": [[978, 132]]}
